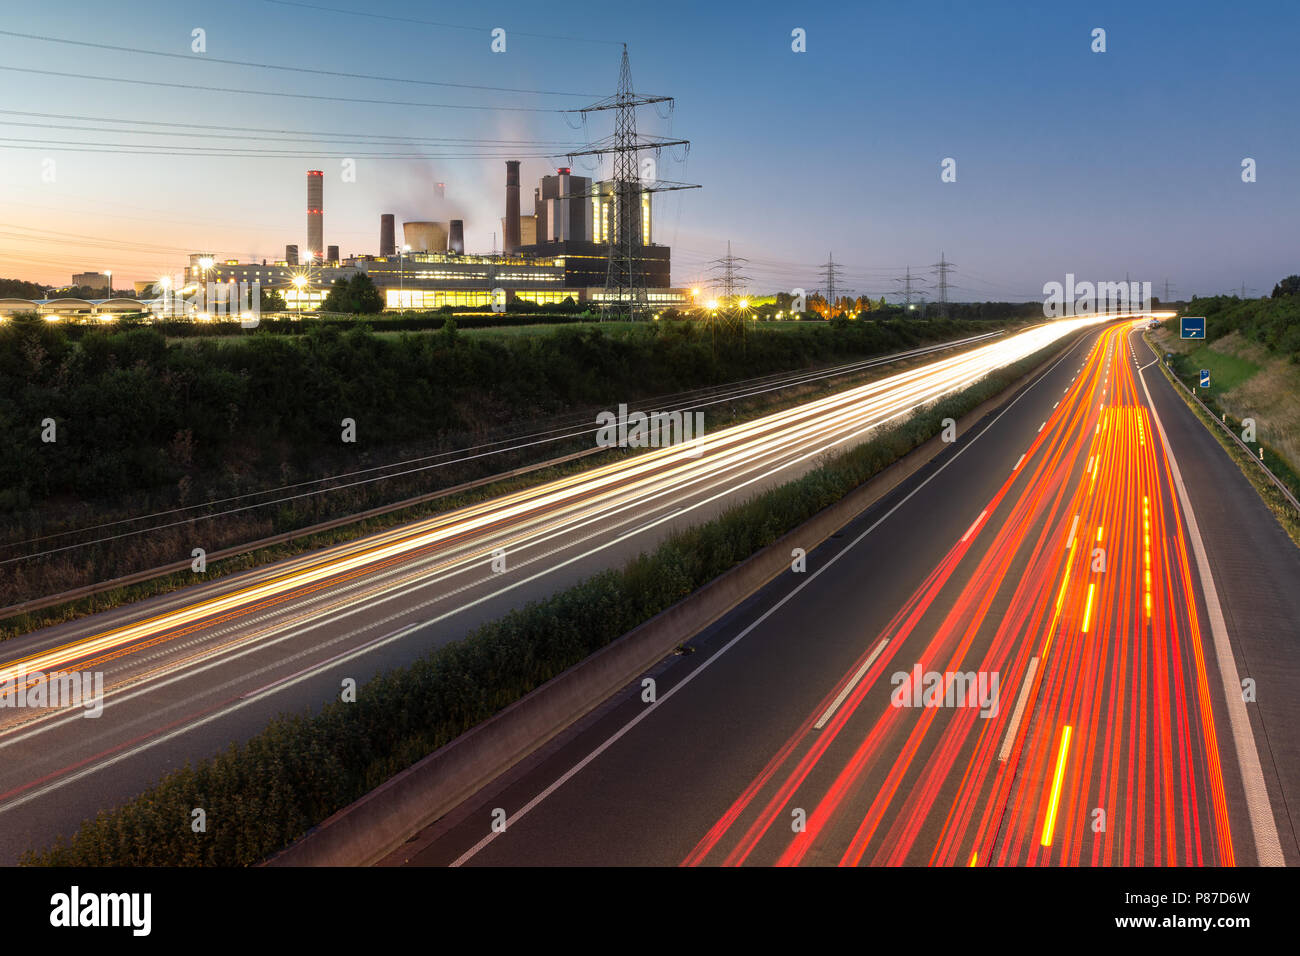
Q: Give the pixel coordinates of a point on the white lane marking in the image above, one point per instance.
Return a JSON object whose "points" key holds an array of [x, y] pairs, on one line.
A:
{"points": [[848, 688], [663, 699], [1073, 527], [972, 528], [1005, 751], [1020, 462], [1268, 847], [1040, 427]]}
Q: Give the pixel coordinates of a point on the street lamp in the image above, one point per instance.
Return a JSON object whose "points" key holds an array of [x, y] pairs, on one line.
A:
{"points": [[300, 281], [401, 272]]}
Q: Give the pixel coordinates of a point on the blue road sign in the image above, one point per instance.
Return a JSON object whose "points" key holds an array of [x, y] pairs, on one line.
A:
{"points": [[1193, 327], [1205, 378]]}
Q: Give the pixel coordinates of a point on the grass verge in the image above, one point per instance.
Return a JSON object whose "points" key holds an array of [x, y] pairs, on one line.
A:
{"points": [[1272, 498]]}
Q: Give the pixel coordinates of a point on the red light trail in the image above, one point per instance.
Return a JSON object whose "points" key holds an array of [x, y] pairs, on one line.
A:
{"points": [[1073, 586]]}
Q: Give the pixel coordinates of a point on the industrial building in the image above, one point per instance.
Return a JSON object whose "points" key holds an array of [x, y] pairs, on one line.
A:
{"points": [[560, 208], [575, 220], [93, 280]]}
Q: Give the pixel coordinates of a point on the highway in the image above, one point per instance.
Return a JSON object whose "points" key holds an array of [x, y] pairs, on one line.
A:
{"points": [[1031, 653], [187, 674]]}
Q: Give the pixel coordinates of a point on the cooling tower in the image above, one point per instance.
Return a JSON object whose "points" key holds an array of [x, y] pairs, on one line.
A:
{"points": [[425, 236]]}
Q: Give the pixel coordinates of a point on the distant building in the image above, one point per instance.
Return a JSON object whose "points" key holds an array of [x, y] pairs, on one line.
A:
{"points": [[93, 280]]}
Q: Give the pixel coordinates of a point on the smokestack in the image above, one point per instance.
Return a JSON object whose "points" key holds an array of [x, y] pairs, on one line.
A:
{"points": [[315, 213], [511, 239], [333, 254], [442, 190], [456, 238], [387, 235], [291, 255]]}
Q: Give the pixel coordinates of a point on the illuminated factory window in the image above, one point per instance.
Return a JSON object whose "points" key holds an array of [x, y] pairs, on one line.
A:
{"points": [[540, 297]]}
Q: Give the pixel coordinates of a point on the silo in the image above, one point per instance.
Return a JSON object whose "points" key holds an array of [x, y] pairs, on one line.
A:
{"points": [[291, 255], [333, 254], [456, 237], [387, 235]]}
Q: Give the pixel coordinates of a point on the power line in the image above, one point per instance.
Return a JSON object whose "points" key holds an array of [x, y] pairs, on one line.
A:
{"points": [[432, 23], [234, 152], [272, 66], [293, 96], [257, 129]]}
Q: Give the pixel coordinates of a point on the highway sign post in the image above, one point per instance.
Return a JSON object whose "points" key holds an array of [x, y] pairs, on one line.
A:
{"points": [[1205, 378], [1193, 327]]}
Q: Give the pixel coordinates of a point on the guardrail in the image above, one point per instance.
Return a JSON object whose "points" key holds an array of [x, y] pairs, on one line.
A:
{"points": [[1277, 482]]}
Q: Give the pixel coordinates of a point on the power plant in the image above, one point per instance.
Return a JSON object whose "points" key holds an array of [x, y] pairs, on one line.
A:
{"points": [[560, 251]]}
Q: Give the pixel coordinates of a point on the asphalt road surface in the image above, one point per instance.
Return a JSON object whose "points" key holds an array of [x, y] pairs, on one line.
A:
{"points": [[1032, 653]]}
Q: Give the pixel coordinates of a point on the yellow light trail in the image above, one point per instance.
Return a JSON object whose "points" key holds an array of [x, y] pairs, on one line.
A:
{"points": [[1049, 823], [1087, 611]]}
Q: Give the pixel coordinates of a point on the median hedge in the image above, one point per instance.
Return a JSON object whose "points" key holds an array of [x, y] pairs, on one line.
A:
{"points": [[265, 793]]}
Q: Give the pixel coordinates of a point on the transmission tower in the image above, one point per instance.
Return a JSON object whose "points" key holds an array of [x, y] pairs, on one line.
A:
{"points": [[729, 283], [830, 273], [941, 269], [625, 280], [906, 292]]}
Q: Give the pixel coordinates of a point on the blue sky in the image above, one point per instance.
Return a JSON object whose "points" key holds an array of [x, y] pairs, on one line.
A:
{"points": [[1100, 164]]}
